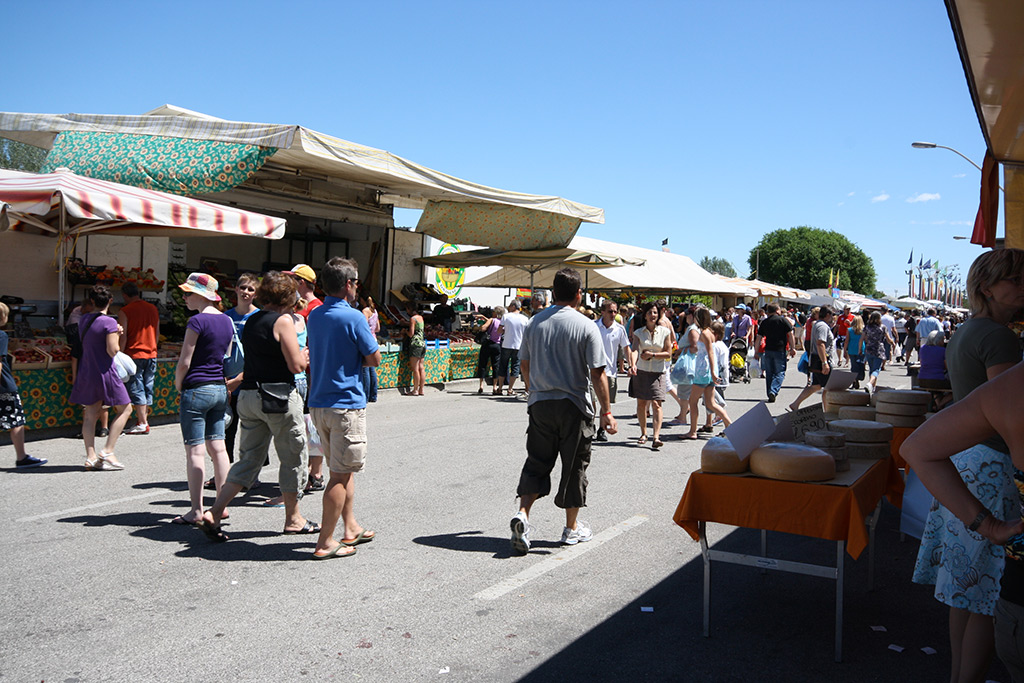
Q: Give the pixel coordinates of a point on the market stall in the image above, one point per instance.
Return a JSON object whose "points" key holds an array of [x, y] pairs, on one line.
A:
{"points": [[66, 206]]}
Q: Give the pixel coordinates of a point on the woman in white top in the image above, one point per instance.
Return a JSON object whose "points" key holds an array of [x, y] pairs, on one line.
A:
{"points": [[706, 375], [654, 347]]}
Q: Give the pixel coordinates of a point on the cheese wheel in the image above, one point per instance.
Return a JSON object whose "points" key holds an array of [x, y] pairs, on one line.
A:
{"points": [[901, 420], [907, 396], [847, 398], [867, 451], [719, 457], [857, 413], [883, 406], [874, 396], [862, 431], [841, 458], [825, 439], [792, 462]]}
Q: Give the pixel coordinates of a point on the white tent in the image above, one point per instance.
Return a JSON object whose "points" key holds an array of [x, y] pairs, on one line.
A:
{"points": [[660, 272]]}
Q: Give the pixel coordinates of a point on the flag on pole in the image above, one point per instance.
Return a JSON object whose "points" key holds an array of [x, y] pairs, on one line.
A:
{"points": [[920, 261], [837, 278], [928, 265], [911, 259]]}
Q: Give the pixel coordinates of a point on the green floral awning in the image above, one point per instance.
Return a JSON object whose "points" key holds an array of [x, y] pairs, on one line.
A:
{"points": [[168, 164]]}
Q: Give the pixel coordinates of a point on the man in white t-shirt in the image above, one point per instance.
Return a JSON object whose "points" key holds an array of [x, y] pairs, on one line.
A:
{"points": [[512, 325], [821, 355], [889, 323], [614, 339]]}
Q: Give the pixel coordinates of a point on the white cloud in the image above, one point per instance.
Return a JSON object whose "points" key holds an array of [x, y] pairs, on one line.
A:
{"points": [[840, 203], [879, 198], [924, 197], [850, 194], [938, 222], [960, 175], [961, 222]]}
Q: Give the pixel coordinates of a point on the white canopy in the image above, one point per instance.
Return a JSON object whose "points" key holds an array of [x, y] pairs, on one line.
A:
{"points": [[660, 272]]}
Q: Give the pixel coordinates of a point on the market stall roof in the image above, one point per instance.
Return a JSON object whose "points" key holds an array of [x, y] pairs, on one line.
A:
{"points": [[537, 259], [51, 203], [454, 209], [661, 272], [908, 303], [821, 297], [768, 289]]}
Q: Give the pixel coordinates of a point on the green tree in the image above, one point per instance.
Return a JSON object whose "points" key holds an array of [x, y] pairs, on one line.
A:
{"points": [[18, 156], [803, 257], [715, 264]]}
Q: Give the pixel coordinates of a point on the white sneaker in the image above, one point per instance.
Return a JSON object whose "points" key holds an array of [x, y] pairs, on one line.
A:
{"points": [[520, 533], [581, 534]]}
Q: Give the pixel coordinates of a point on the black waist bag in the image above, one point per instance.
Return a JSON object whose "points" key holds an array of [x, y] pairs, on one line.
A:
{"points": [[274, 396]]}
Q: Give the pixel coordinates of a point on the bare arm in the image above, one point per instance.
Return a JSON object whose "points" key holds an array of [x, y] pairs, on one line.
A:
{"points": [[284, 332], [122, 320], [188, 347], [113, 344], [600, 381], [524, 370], [708, 339], [373, 360]]}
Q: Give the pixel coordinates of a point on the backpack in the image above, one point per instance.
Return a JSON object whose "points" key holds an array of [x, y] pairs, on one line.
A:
{"points": [[234, 357]]}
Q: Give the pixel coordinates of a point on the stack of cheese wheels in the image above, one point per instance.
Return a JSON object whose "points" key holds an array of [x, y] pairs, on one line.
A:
{"points": [[874, 396], [833, 443], [857, 413], [792, 462], [902, 408], [718, 456], [833, 401], [865, 440]]}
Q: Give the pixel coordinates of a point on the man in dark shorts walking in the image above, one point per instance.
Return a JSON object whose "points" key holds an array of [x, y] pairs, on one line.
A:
{"points": [[823, 346], [561, 355]]}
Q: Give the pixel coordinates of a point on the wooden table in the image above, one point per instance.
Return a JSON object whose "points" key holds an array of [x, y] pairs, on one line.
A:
{"points": [[822, 510]]}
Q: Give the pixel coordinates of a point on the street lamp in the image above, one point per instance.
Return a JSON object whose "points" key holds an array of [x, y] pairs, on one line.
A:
{"points": [[932, 145]]}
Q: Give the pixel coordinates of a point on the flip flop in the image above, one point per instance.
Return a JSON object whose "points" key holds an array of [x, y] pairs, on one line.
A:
{"points": [[307, 528], [690, 437], [182, 521], [656, 444], [642, 440], [364, 536], [269, 503], [336, 551], [212, 531]]}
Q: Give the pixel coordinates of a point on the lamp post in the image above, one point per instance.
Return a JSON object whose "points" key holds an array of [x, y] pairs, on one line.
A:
{"points": [[932, 145]]}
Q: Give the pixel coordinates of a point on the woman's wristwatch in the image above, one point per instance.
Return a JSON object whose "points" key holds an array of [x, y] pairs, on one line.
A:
{"points": [[973, 526]]}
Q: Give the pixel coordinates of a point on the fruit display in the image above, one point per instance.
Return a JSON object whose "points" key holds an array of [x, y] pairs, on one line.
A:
{"points": [[57, 349], [29, 358]]}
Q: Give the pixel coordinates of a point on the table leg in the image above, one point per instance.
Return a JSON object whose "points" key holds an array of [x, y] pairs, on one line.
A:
{"points": [[840, 565], [872, 523], [764, 548], [702, 530]]}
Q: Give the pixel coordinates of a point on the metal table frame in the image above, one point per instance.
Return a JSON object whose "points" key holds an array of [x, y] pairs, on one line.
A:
{"points": [[764, 563]]}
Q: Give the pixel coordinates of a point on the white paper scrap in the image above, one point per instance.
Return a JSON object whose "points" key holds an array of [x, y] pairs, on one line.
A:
{"points": [[445, 670], [896, 648], [929, 650], [878, 628], [234, 583], [646, 609]]}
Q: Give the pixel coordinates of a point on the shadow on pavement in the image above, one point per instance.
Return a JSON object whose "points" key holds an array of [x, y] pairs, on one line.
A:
{"points": [[774, 626], [475, 542]]}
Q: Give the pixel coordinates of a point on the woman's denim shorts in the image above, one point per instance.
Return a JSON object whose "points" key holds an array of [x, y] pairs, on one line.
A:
{"points": [[202, 413]]}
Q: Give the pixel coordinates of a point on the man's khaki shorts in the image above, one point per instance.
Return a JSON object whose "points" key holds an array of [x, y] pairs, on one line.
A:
{"points": [[343, 437]]}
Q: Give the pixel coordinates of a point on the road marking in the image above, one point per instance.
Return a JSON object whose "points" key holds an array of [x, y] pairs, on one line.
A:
{"points": [[105, 503], [559, 560]]}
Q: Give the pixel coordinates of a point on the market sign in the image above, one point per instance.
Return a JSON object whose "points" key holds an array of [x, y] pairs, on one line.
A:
{"points": [[449, 280]]}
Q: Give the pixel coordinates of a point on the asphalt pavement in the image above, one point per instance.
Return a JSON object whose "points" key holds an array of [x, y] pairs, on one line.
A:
{"points": [[101, 587]]}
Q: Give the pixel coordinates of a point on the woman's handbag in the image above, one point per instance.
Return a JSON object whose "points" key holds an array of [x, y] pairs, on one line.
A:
{"points": [[274, 396], [684, 369], [125, 366], [234, 357]]}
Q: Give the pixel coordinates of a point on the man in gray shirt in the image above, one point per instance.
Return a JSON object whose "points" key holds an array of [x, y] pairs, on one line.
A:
{"points": [[561, 355]]}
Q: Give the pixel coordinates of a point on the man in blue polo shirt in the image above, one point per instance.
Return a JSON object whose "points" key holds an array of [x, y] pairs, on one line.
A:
{"points": [[340, 344]]}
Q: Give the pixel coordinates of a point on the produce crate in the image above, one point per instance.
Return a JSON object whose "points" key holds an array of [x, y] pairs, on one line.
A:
{"points": [[57, 349], [40, 359]]}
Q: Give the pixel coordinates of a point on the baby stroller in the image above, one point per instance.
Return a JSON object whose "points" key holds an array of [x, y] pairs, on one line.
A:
{"points": [[738, 361]]}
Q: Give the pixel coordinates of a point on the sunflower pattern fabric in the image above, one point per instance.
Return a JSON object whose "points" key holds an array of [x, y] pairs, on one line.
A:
{"points": [[154, 162]]}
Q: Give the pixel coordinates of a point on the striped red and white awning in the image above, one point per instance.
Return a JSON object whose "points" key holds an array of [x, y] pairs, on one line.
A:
{"points": [[32, 202]]}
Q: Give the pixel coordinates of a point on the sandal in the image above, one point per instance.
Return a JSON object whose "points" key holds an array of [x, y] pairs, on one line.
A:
{"points": [[106, 465], [212, 531], [92, 465], [706, 429], [642, 440], [656, 444], [307, 528]]}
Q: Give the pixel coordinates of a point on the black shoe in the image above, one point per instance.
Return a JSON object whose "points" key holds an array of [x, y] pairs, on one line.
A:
{"points": [[315, 484], [601, 436], [101, 432], [771, 398]]}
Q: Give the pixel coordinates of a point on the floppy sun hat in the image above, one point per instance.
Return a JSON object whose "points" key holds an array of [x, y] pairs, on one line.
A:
{"points": [[201, 284], [303, 271]]}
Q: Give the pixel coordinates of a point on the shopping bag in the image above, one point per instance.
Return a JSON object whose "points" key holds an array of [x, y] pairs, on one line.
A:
{"points": [[755, 367], [917, 501], [234, 357], [126, 368], [804, 364], [684, 369]]}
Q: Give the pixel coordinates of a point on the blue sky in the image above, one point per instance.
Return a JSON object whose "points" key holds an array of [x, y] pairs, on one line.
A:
{"points": [[709, 123]]}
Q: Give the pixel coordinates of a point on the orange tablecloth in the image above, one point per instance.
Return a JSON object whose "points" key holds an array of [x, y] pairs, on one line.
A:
{"points": [[899, 435], [831, 512]]}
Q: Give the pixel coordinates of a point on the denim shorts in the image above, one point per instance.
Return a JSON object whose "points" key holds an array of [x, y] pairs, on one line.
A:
{"points": [[140, 385], [202, 413], [874, 365]]}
